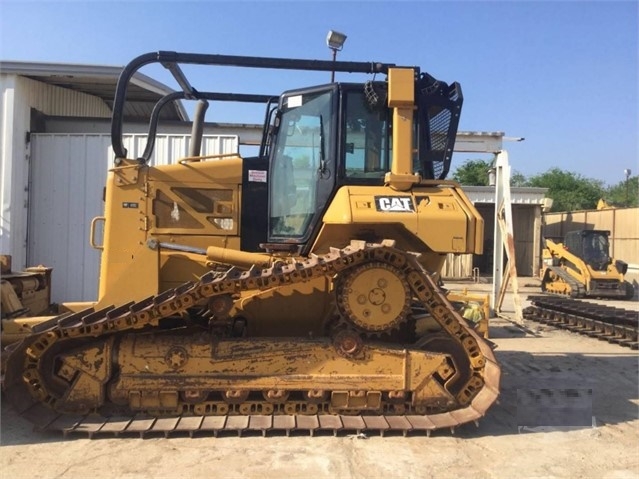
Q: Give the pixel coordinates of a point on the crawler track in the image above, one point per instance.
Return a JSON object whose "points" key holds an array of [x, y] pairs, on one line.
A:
{"points": [[36, 393], [94, 426], [607, 323], [576, 289]]}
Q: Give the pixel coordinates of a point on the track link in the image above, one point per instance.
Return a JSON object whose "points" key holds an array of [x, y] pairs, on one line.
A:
{"points": [[31, 392], [577, 290], [615, 325], [93, 426]]}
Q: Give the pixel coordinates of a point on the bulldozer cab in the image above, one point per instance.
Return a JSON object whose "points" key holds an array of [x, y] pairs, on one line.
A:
{"points": [[323, 138], [341, 134]]}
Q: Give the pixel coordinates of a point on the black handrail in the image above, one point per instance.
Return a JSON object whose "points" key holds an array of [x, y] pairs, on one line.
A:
{"points": [[180, 95]]}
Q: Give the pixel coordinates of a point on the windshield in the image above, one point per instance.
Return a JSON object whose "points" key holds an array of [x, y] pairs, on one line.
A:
{"points": [[299, 157], [596, 251]]}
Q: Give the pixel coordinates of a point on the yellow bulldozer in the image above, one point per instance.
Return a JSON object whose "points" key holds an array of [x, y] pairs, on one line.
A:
{"points": [[297, 289], [580, 266], [23, 294]]}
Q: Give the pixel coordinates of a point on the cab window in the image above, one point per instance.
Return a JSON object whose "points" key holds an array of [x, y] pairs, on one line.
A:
{"points": [[301, 145], [366, 140]]}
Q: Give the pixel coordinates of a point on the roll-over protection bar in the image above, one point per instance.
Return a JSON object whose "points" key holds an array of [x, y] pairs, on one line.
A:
{"points": [[172, 61]]}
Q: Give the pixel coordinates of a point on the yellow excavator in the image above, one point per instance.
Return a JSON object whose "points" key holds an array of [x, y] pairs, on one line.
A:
{"points": [[580, 266], [297, 289]]}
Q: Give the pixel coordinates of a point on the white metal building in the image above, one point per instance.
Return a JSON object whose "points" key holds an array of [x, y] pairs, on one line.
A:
{"points": [[55, 153], [526, 204]]}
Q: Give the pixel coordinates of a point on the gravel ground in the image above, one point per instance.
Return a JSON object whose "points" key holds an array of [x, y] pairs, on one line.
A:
{"points": [[569, 379]]}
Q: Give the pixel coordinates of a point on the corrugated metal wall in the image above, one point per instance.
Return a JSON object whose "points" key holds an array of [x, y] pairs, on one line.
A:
{"points": [[19, 96], [458, 266], [623, 224], [526, 254], [53, 100], [68, 174], [526, 249], [175, 146]]}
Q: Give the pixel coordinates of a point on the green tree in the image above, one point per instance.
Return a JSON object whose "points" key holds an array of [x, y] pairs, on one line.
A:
{"points": [[475, 173], [518, 179], [624, 194], [569, 191], [472, 173]]}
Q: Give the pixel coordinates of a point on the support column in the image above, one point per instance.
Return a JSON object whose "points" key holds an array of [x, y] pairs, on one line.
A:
{"points": [[504, 239]]}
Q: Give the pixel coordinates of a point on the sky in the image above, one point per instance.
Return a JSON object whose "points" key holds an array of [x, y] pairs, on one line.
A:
{"points": [[562, 75]]}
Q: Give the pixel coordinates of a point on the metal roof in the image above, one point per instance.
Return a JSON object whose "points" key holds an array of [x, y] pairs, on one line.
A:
{"points": [[100, 81], [519, 195]]}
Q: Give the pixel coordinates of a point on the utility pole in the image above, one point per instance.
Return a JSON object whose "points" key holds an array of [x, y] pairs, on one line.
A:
{"points": [[627, 172]]}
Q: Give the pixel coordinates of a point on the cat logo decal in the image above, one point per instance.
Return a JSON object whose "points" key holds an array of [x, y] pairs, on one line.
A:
{"points": [[394, 204]]}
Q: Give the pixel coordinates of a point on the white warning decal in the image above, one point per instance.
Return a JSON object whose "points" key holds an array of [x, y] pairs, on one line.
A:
{"points": [[257, 176], [395, 204]]}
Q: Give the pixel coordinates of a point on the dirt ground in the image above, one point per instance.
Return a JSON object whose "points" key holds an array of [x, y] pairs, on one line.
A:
{"points": [[539, 365]]}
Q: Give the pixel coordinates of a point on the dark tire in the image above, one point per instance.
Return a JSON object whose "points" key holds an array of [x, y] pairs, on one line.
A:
{"points": [[630, 290]]}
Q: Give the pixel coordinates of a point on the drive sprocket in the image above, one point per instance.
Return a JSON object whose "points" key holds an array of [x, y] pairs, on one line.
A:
{"points": [[374, 296]]}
